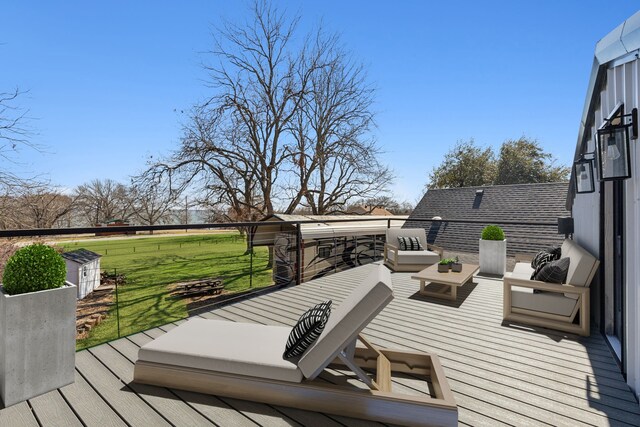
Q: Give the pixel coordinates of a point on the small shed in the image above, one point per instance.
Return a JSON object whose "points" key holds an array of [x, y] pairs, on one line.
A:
{"points": [[83, 270]]}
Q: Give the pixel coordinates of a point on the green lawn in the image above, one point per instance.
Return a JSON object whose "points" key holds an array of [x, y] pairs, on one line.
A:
{"points": [[151, 263]]}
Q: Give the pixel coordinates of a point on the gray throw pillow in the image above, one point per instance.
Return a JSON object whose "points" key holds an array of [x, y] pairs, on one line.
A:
{"points": [[554, 271]]}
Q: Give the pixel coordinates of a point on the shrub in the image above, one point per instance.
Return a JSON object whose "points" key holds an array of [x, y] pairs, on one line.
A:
{"points": [[446, 261], [492, 232], [34, 268]]}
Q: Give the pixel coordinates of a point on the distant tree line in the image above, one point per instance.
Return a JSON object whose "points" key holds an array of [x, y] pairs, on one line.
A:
{"points": [[519, 161]]}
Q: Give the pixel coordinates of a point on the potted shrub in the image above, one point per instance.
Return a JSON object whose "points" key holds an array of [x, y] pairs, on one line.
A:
{"points": [[37, 325], [456, 266], [493, 251], [444, 265]]}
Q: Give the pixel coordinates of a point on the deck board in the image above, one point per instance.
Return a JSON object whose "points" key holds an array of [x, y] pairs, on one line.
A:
{"points": [[500, 374], [51, 410]]}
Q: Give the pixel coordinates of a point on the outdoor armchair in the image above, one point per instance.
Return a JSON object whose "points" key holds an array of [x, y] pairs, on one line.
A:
{"points": [[402, 260], [555, 306]]}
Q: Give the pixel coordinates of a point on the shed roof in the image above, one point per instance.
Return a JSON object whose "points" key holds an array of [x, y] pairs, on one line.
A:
{"points": [[81, 256], [622, 41]]}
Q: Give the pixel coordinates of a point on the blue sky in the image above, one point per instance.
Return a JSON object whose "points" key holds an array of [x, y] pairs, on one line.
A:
{"points": [[107, 80]]}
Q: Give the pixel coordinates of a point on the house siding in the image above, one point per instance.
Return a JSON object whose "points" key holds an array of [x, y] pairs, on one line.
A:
{"points": [[622, 84]]}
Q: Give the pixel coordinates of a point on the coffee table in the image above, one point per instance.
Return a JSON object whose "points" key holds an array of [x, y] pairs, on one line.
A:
{"points": [[444, 285]]}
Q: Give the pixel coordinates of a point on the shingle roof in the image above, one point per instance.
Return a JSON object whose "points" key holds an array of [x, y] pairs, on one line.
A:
{"points": [[81, 256], [523, 203]]}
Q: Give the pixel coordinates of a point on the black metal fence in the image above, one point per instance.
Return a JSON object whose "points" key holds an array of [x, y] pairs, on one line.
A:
{"points": [[153, 279]]}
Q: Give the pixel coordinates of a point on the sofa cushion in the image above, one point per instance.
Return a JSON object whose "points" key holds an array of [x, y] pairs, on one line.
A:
{"points": [[522, 270], [220, 346], [408, 243], [554, 271], [415, 257], [348, 320], [582, 263], [545, 302], [307, 329]]}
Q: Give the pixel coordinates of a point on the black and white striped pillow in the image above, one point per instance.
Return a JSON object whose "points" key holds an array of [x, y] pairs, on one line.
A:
{"points": [[554, 271], [409, 244], [307, 330], [542, 258]]}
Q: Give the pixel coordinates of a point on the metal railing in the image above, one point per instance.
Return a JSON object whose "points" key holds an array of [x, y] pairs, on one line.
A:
{"points": [[151, 280]]}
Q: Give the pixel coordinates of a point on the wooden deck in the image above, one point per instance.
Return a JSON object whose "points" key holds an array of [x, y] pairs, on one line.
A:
{"points": [[500, 375]]}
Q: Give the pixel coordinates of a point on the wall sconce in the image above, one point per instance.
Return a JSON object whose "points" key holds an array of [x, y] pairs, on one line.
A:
{"points": [[614, 160], [583, 173], [565, 226]]}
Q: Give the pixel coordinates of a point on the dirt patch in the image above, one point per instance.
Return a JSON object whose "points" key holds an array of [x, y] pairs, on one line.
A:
{"points": [[94, 308]]}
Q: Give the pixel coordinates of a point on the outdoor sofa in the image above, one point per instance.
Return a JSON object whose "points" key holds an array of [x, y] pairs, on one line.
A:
{"points": [[553, 306], [409, 260], [245, 361]]}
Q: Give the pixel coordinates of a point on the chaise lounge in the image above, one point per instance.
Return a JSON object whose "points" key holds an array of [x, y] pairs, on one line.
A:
{"points": [[219, 357], [557, 305]]}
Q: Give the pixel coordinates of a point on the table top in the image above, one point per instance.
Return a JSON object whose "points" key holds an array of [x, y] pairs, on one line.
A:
{"points": [[431, 274]]}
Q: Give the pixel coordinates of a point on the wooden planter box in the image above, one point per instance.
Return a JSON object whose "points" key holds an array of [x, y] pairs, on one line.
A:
{"points": [[493, 257], [37, 342]]}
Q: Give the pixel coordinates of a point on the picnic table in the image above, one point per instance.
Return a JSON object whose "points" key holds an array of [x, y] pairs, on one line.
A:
{"points": [[198, 287]]}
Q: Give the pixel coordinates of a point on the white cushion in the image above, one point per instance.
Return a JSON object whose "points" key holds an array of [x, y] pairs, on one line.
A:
{"points": [[220, 346], [580, 265], [545, 302], [348, 320], [417, 257], [522, 270]]}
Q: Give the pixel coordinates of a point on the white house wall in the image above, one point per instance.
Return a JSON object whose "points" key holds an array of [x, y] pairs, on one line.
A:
{"points": [[622, 85]]}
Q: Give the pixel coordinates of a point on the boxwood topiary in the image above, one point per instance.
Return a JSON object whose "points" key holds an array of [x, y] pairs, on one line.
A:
{"points": [[492, 232], [34, 268]]}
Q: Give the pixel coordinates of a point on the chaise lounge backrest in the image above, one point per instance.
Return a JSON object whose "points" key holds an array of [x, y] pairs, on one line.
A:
{"points": [[581, 265], [394, 233], [348, 320]]}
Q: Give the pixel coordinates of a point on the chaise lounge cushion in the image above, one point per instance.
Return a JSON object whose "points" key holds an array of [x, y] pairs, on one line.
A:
{"points": [[348, 320], [235, 348]]}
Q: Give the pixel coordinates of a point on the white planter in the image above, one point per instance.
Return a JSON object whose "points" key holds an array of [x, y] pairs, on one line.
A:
{"points": [[493, 257], [38, 342]]}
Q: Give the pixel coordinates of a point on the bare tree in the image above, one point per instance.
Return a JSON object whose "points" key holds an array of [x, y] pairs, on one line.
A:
{"points": [[153, 202], [335, 159], [289, 124], [261, 80], [14, 134], [35, 205], [100, 201]]}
